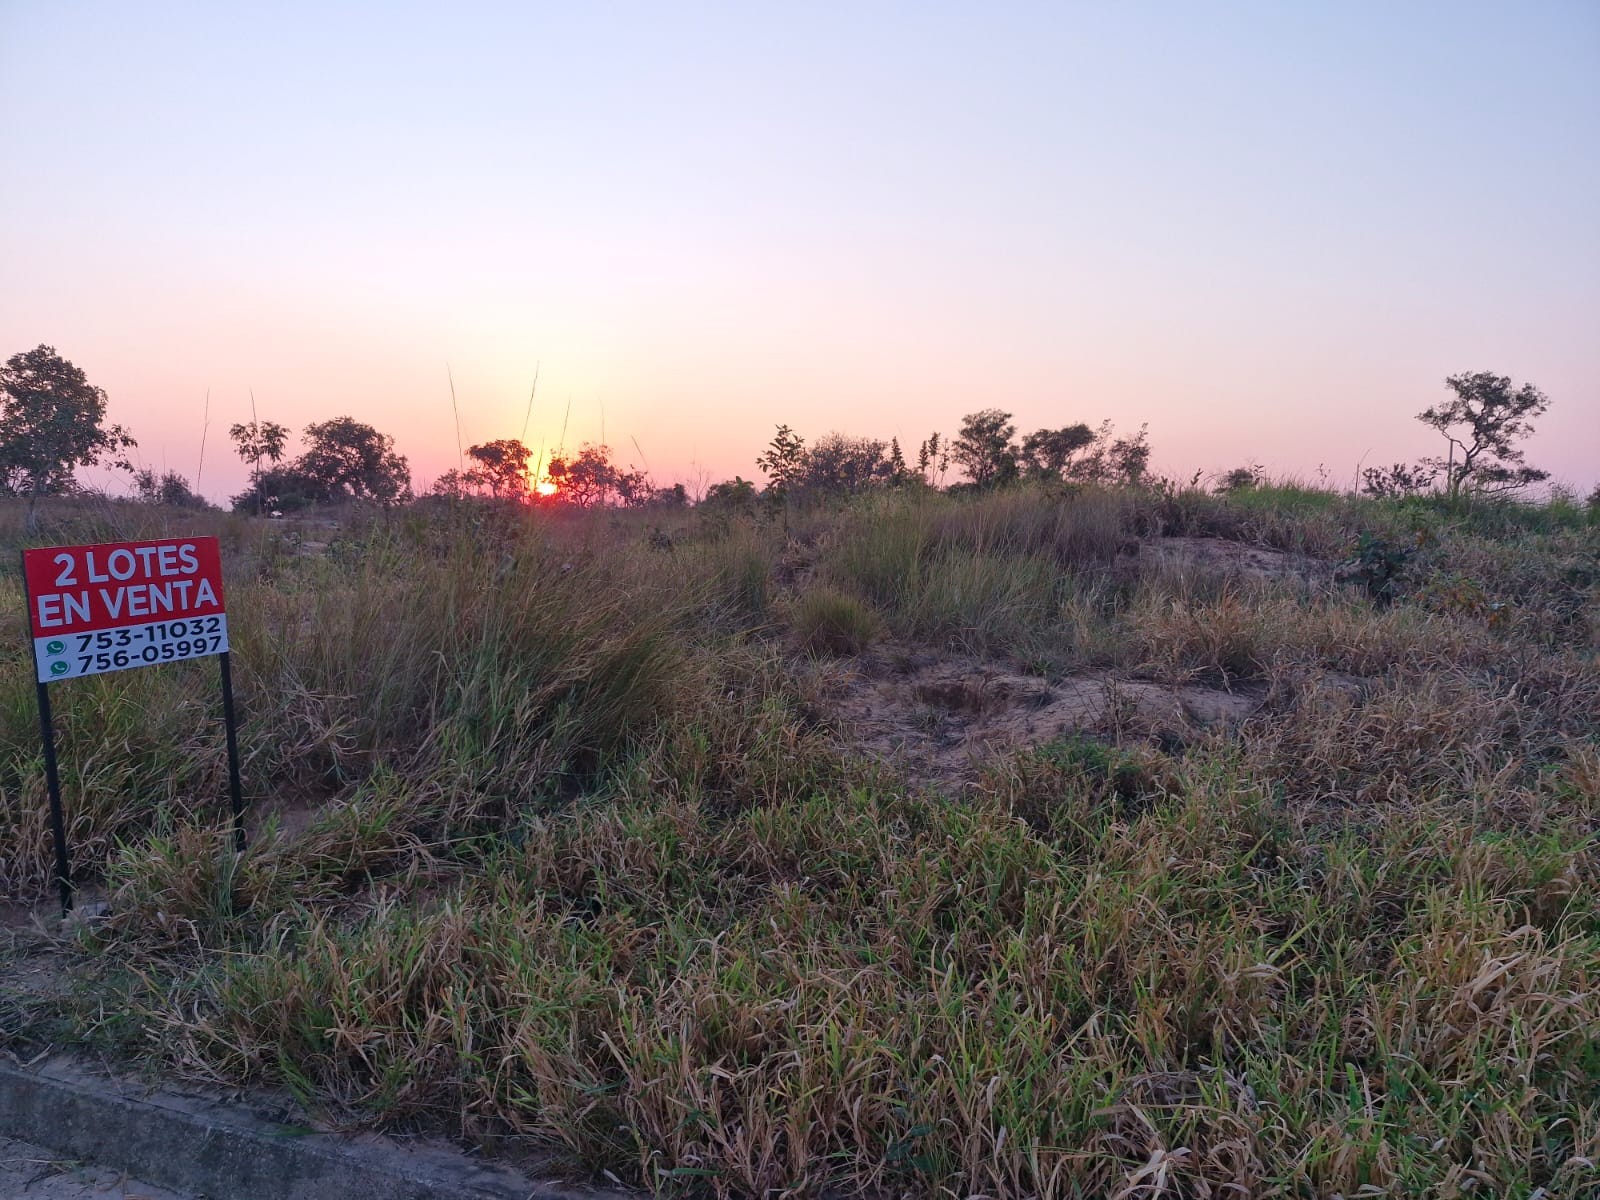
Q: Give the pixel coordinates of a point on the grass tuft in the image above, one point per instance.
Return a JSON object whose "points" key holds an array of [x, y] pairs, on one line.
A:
{"points": [[832, 622]]}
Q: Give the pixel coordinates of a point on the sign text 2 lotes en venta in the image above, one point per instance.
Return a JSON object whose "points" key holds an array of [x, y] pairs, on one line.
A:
{"points": [[126, 604], [93, 609]]}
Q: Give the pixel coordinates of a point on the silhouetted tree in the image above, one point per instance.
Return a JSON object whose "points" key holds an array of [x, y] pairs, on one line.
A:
{"points": [[933, 456], [784, 460], [736, 495], [839, 465], [899, 473], [256, 441], [280, 489], [452, 485], [1240, 479], [676, 496], [1114, 460], [502, 467], [52, 421], [592, 479], [1482, 422], [1047, 453], [169, 488], [345, 459], [984, 447]]}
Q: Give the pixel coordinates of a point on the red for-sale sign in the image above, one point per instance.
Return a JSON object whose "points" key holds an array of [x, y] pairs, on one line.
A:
{"points": [[103, 608]]}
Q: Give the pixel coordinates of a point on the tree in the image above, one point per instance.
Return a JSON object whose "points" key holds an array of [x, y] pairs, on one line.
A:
{"points": [[676, 496], [592, 479], [737, 495], [452, 485], [1482, 422], [1113, 460], [984, 448], [502, 468], [256, 441], [345, 459], [899, 473], [843, 466], [933, 456], [784, 460], [52, 421], [169, 488], [282, 489], [1046, 453]]}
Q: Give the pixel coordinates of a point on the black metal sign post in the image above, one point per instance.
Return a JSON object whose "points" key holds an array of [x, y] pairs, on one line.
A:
{"points": [[52, 773], [235, 793], [82, 627], [52, 779]]}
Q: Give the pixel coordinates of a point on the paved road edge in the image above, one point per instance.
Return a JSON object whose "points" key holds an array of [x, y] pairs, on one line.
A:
{"points": [[220, 1151]]}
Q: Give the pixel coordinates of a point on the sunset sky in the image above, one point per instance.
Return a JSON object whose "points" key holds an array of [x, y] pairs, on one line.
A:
{"points": [[1268, 230]]}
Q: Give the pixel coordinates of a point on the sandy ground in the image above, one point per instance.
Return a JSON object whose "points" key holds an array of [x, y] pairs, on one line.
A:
{"points": [[1235, 560], [940, 717]]}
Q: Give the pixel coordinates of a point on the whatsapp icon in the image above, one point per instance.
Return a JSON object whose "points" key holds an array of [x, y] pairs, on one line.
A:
{"points": [[55, 647], [59, 668]]}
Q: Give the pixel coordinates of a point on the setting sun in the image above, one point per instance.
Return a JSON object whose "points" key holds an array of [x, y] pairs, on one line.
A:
{"points": [[546, 487]]}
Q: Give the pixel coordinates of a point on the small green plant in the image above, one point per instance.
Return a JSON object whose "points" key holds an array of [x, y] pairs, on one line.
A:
{"points": [[1113, 771], [1378, 565]]}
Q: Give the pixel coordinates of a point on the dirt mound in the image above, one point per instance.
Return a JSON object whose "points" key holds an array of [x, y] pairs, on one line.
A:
{"points": [[1214, 556], [939, 718]]}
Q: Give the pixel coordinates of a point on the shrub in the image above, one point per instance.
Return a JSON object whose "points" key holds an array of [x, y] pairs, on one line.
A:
{"points": [[1398, 480], [170, 488], [1378, 565], [1240, 479]]}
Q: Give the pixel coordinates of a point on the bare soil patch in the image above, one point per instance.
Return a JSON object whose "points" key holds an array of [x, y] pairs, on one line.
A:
{"points": [[939, 718], [1216, 556]]}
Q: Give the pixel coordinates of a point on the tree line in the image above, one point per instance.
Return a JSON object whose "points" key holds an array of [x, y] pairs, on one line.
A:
{"points": [[986, 449], [53, 421]]}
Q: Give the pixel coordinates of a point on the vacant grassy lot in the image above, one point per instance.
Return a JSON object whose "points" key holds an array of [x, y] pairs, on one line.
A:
{"points": [[1077, 844]]}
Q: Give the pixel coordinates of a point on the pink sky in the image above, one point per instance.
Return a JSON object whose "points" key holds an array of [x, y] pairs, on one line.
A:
{"points": [[1269, 234]]}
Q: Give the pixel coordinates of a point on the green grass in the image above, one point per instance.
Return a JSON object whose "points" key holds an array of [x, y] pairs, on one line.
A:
{"points": [[553, 835]]}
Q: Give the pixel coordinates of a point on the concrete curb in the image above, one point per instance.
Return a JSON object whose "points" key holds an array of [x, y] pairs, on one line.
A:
{"points": [[220, 1151]]}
